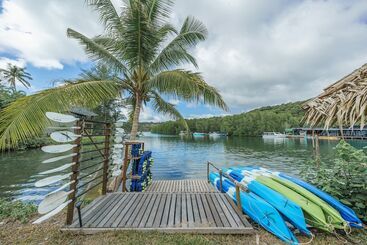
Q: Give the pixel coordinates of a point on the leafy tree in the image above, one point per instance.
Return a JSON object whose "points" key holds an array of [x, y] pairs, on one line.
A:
{"points": [[14, 74], [144, 49], [7, 95]]}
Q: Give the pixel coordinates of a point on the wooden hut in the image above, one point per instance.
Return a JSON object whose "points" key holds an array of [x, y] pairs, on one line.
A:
{"points": [[343, 103]]}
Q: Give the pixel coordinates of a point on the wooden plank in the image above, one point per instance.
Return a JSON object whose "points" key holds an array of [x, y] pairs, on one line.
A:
{"points": [[107, 219], [178, 210], [228, 206], [88, 208], [144, 210], [154, 211], [239, 213], [105, 211], [95, 215], [131, 210], [91, 210], [149, 210], [167, 205], [197, 220], [220, 211], [190, 214], [120, 215], [214, 212], [183, 211], [204, 221], [208, 212], [136, 211], [172, 211], [228, 214], [160, 211]]}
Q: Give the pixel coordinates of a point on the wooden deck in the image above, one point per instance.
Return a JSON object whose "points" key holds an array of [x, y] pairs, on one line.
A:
{"points": [[167, 206]]}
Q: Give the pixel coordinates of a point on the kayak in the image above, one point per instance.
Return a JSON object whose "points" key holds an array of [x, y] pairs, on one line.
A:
{"points": [[259, 211], [291, 211], [346, 213], [314, 215], [332, 216]]}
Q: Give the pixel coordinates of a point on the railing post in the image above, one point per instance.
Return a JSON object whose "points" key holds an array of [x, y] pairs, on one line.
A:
{"points": [[107, 133], [238, 197], [207, 171], [74, 176], [221, 180]]}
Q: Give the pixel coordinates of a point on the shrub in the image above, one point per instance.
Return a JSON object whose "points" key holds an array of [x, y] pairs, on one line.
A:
{"points": [[346, 179], [16, 210]]}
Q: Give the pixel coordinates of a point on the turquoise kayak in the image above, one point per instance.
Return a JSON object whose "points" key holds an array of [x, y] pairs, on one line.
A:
{"points": [[291, 211], [347, 213], [259, 211]]}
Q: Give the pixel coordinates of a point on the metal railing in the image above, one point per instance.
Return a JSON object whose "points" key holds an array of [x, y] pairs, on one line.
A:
{"points": [[238, 185]]}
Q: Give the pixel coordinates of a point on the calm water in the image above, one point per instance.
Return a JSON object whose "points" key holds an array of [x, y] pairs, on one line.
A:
{"points": [[175, 158]]}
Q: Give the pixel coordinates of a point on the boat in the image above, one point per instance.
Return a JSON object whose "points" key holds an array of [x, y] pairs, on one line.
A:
{"points": [[198, 134], [291, 211], [318, 213], [257, 209], [183, 133], [347, 213], [217, 134], [273, 135]]}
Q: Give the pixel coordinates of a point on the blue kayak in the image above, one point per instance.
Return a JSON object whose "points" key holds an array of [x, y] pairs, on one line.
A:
{"points": [[259, 211], [291, 211], [347, 213]]}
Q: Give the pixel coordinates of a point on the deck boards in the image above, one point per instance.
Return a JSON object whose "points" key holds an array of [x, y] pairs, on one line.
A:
{"points": [[168, 206]]}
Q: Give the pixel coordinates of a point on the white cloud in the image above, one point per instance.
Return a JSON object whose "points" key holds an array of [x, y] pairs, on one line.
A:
{"points": [[36, 30], [5, 61]]}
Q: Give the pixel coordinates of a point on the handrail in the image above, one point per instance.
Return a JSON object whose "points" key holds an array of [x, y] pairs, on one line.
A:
{"points": [[238, 185]]}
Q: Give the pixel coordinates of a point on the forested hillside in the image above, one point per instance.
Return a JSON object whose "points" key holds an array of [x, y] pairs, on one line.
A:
{"points": [[253, 123]]}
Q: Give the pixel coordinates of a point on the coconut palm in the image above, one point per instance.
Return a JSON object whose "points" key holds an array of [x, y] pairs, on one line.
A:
{"points": [[144, 49], [14, 74]]}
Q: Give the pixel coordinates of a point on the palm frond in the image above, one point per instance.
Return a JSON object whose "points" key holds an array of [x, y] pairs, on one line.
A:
{"points": [[25, 118], [159, 10], [98, 52], [108, 15], [188, 86], [162, 106]]}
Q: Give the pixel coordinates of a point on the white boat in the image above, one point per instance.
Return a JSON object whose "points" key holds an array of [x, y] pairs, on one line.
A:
{"points": [[273, 135], [198, 134], [217, 134]]}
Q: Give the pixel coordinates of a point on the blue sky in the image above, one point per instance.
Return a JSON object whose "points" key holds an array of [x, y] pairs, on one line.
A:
{"points": [[257, 53]]}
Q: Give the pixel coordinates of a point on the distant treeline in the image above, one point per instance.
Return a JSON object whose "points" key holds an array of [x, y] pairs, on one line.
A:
{"points": [[254, 123]]}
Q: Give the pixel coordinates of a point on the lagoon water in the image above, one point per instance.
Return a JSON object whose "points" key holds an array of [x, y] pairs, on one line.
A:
{"points": [[175, 158]]}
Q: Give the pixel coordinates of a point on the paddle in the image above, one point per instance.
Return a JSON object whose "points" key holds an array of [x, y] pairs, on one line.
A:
{"points": [[118, 139], [57, 148], [58, 128], [116, 173], [59, 169], [61, 188], [55, 159], [64, 136], [119, 146], [52, 201], [61, 118], [51, 180], [53, 213]]}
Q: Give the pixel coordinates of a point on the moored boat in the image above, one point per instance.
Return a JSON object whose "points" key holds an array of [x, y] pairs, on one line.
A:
{"points": [[273, 135], [198, 134]]}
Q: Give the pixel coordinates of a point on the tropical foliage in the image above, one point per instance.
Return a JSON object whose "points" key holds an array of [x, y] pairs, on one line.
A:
{"points": [[345, 179], [16, 210], [8, 95], [253, 123], [143, 49], [14, 74]]}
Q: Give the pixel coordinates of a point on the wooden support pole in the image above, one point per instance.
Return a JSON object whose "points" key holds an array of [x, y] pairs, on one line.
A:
{"points": [[74, 176], [238, 197], [220, 180], [207, 172], [107, 133], [125, 167]]}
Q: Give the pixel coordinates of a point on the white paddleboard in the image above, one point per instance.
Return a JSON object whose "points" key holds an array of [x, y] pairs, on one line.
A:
{"points": [[53, 213], [59, 169], [51, 180], [60, 118], [57, 148], [55, 159], [64, 136], [52, 201], [118, 139]]}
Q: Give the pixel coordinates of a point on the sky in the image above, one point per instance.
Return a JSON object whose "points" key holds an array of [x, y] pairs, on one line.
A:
{"points": [[258, 53]]}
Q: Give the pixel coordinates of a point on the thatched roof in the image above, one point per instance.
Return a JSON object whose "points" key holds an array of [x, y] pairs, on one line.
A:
{"points": [[343, 103]]}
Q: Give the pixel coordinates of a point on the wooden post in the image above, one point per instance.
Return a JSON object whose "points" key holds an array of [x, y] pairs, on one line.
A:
{"points": [[207, 172], [74, 176], [238, 197], [220, 180], [107, 133], [125, 166]]}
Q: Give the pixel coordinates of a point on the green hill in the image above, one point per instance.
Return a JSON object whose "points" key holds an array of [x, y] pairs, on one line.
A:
{"points": [[253, 123]]}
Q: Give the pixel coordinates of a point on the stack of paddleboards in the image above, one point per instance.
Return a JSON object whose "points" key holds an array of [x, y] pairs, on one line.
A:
{"points": [[117, 151], [141, 170], [275, 199]]}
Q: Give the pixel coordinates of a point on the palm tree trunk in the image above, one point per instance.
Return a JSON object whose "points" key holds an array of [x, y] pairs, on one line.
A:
{"points": [[135, 123]]}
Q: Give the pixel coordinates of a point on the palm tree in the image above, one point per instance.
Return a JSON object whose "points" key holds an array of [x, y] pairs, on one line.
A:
{"points": [[143, 49], [14, 74]]}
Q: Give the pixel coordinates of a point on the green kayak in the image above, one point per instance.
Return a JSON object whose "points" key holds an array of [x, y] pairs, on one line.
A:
{"points": [[332, 216], [314, 215]]}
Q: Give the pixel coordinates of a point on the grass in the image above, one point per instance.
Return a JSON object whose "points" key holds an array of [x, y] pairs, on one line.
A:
{"points": [[16, 210], [15, 232]]}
